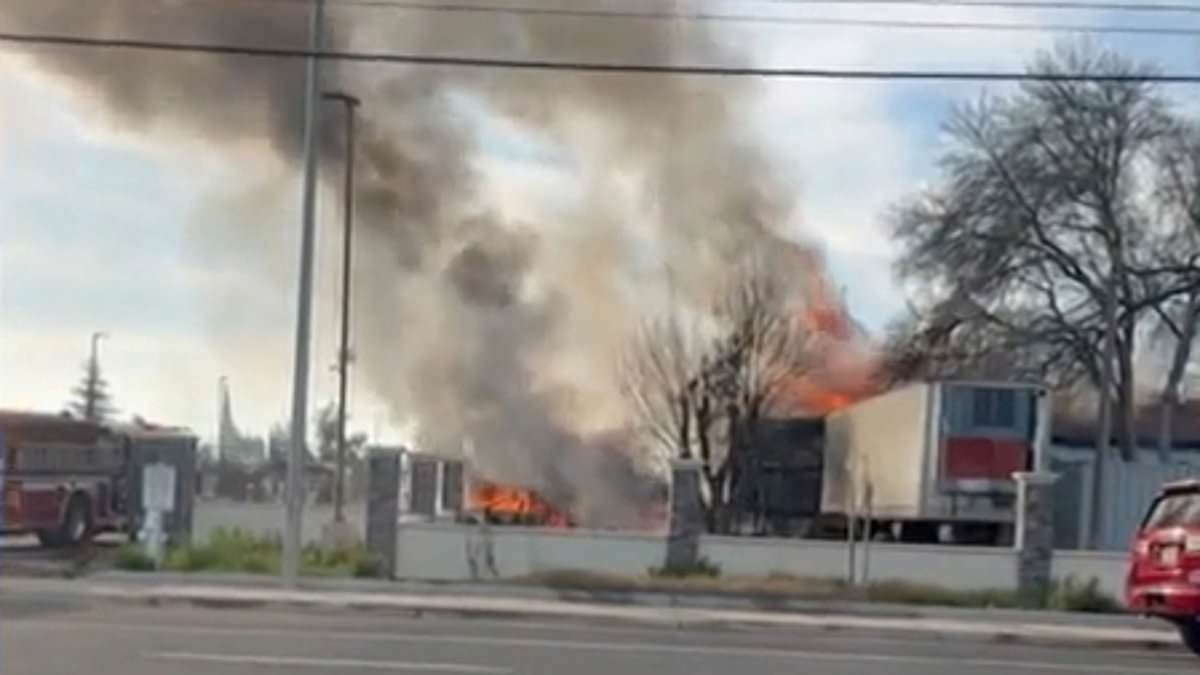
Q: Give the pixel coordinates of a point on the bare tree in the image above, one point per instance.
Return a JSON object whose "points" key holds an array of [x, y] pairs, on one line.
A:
{"points": [[1178, 312], [656, 375], [701, 393], [1037, 236]]}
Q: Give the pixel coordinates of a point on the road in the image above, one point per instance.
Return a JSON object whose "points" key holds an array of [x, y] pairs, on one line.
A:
{"points": [[54, 635]]}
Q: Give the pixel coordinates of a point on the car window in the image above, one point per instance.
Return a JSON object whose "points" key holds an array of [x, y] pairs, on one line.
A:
{"points": [[1176, 510]]}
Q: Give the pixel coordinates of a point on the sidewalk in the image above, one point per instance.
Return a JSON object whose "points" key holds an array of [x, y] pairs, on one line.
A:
{"points": [[1117, 632]]}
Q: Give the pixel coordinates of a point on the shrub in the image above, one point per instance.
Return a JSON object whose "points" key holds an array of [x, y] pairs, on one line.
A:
{"points": [[1072, 595], [702, 567], [133, 558], [909, 593], [228, 550]]}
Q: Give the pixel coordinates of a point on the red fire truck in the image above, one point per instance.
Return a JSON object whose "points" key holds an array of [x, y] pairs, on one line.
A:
{"points": [[65, 479]]}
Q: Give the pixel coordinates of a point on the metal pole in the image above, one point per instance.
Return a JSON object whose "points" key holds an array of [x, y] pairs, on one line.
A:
{"points": [[852, 517], [297, 455], [339, 486], [1105, 426], [868, 508]]}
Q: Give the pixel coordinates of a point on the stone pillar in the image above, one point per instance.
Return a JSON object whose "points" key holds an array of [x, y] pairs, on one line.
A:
{"points": [[383, 508], [424, 485], [686, 517], [1034, 537]]}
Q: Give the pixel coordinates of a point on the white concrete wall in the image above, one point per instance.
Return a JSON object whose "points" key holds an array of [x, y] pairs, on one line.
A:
{"points": [[451, 552], [753, 557], [455, 552], [1109, 567], [947, 566], [429, 551]]}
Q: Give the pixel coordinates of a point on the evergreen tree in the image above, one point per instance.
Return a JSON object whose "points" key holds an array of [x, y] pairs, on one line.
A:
{"points": [[92, 400]]}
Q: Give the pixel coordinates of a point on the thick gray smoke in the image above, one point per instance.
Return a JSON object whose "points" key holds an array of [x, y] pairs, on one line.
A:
{"points": [[478, 326]]}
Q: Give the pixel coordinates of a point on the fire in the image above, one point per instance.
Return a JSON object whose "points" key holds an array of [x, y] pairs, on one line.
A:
{"points": [[848, 362], [513, 504]]}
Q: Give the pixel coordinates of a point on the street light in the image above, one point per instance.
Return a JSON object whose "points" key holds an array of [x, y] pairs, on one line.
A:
{"points": [[297, 453], [339, 486]]}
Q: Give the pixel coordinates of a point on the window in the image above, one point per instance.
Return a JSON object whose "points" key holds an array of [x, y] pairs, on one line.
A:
{"points": [[1177, 510], [994, 408]]}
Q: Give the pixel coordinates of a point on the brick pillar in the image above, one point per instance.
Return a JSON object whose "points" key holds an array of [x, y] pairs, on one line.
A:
{"points": [[383, 507], [687, 516], [1034, 537]]}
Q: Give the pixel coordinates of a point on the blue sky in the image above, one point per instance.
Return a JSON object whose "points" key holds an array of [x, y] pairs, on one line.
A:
{"points": [[102, 228]]}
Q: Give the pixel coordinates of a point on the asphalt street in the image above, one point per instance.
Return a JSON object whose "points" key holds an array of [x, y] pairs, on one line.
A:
{"points": [[56, 635]]}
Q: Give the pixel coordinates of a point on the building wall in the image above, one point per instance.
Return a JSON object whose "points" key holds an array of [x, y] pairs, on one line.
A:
{"points": [[1128, 489]]}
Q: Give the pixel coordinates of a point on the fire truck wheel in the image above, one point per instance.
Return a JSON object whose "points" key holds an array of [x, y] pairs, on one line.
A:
{"points": [[77, 525], [48, 538]]}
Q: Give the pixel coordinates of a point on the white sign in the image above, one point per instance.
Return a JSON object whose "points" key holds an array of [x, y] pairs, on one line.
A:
{"points": [[158, 487]]}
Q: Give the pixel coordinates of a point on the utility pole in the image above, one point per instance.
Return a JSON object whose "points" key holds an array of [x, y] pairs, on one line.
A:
{"points": [[339, 486], [298, 453], [1104, 430]]}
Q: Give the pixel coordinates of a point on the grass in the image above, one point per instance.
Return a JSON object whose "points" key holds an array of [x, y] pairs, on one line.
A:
{"points": [[1064, 595], [239, 551], [133, 558]]}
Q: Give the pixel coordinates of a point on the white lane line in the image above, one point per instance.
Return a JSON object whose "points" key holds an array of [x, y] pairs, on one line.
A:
{"points": [[303, 662], [651, 647]]}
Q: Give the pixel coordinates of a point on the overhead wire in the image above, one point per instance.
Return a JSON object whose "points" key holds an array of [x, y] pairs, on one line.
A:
{"points": [[763, 19], [599, 67], [1040, 5], [683, 13]]}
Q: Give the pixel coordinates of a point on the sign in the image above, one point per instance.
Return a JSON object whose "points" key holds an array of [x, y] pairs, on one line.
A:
{"points": [[158, 487]]}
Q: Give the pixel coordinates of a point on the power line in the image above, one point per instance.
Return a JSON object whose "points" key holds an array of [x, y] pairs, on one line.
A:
{"points": [[721, 17], [46, 39], [1064, 5], [708, 16]]}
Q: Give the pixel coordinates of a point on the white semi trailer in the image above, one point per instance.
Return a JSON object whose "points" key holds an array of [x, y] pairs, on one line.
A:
{"points": [[934, 461]]}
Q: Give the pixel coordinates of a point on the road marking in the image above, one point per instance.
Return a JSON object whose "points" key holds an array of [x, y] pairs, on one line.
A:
{"points": [[294, 661], [644, 647]]}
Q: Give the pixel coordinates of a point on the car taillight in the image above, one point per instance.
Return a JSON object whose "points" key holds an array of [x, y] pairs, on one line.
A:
{"points": [[1141, 548], [1168, 555]]}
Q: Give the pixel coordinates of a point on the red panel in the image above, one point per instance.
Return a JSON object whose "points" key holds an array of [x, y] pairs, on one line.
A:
{"points": [[40, 507], [972, 458]]}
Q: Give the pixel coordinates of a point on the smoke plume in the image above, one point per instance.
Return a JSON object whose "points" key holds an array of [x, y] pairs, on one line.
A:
{"points": [[477, 325]]}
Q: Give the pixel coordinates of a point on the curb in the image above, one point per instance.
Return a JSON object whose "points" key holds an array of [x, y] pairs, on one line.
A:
{"points": [[750, 602], [677, 617]]}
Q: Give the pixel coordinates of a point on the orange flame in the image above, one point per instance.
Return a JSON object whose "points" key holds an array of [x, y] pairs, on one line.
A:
{"points": [[513, 503], [848, 363]]}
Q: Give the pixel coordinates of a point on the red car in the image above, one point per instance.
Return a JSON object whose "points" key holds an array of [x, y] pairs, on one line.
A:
{"points": [[1164, 568]]}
